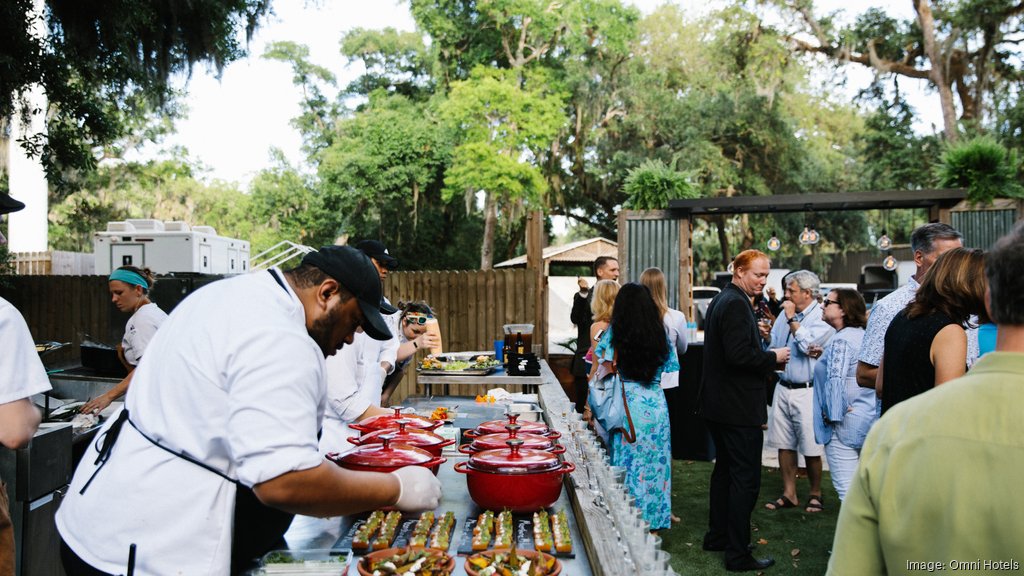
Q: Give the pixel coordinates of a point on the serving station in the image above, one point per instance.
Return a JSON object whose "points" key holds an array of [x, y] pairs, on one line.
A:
{"points": [[603, 540]]}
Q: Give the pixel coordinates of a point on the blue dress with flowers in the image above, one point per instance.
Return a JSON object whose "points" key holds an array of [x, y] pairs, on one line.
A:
{"points": [[648, 461]]}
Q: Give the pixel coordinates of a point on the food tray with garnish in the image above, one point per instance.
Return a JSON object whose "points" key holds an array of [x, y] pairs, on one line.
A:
{"points": [[537, 531], [380, 530], [459, 364]]}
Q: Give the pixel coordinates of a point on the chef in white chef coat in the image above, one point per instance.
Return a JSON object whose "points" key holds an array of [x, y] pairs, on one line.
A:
{"points": [[224, 414], [355, 377], [21, 375]]}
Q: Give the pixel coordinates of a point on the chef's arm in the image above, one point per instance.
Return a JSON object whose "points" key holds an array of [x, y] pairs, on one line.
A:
{"points": [[100, 402], [372, 410], [18, 423], [329, 490]]}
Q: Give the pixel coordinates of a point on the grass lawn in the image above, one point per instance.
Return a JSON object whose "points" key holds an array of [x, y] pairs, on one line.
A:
{"points": [[798, 541]]}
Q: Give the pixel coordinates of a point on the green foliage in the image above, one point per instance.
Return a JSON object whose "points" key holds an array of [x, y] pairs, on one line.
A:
{"points": [[651, 185], [317, 112], [984, 167], [98, 58], [395, 61], [893, 156], [165, 190]]}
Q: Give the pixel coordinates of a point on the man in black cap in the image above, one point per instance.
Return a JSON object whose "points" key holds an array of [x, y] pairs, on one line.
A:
{"points": [[222, 434], [355, 377]]}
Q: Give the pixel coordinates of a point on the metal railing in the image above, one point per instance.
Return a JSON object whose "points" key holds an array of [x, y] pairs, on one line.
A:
{"points": [[277, 255]]}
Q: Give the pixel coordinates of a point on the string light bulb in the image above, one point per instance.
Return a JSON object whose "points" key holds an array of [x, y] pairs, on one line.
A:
{"points": [[890, 263], [809, 236], [884, 243], [774, 243]]}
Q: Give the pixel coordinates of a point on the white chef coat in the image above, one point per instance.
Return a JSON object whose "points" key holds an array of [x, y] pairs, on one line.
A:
{"points": [[21, 372], [354, 383], [233, 379], [140, 330]]}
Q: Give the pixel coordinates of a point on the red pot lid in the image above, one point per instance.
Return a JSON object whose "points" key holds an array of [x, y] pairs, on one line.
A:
{"points": [[387, 421], [404, 434], [498, 426], [514, 459], [497, 441], [387, 453]]}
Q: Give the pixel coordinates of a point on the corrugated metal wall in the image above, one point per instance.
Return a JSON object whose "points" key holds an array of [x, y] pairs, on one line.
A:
{"points": [[654, 243], [982, 228]]}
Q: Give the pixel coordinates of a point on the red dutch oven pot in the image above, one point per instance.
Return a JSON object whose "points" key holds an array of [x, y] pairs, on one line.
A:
{"points": [[387, 456], [416, 437], [498, 427], [517, 478], [497, 441], [387, 421]]}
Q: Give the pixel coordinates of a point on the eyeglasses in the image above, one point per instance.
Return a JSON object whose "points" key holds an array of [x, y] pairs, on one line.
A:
{"points": [[417, 319], [827, 302]]}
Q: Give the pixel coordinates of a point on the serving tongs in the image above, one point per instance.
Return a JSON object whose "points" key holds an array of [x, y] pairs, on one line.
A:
{"points": [[44, 348]]}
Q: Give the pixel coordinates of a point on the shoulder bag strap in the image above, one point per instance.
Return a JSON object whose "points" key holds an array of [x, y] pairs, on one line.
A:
{"points": [[630, 434]]}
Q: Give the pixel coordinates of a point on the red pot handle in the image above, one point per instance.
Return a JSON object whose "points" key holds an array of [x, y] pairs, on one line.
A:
{"points": [[354, 440], [463, 468], [471, 433], [557, 449], [466, 449], [434, 462], [447, 442], [567, 468], [553, 434]]}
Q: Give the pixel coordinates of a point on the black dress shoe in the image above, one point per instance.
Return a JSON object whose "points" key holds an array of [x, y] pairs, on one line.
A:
{"points": [[749, 564]]}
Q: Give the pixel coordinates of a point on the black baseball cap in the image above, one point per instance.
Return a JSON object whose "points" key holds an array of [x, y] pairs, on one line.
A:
{"points": [[353, 270], [378, 252], [8, 204]]}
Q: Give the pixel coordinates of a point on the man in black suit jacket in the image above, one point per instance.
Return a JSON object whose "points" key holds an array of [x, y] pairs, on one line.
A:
{"points": [[605, 268], [732, 401]]}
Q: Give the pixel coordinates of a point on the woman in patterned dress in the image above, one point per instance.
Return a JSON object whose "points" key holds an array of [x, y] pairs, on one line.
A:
{"points": [[636, 342]]}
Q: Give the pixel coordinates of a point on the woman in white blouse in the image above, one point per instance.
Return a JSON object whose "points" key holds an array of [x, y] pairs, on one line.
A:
{"points": [[129, 291], [844, 411]]}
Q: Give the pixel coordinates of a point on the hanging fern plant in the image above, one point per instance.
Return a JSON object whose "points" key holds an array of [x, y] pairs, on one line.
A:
{"points": [[984, 167], [652, 184]]}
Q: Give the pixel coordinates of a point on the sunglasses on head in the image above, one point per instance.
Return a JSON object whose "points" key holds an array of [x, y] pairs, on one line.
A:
{"points": [[417, 319]]}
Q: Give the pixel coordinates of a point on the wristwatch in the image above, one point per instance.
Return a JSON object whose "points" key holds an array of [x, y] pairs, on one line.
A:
{"points": [[791, 319]]}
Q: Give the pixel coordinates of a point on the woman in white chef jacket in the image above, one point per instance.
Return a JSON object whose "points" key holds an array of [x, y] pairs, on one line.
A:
{"points": [[129, 291]]}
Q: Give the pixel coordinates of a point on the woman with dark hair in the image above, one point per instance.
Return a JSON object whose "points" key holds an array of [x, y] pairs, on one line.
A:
{"points": [[636, 344], [926, 344], [412, 337], [129, 291], [845, 411]]}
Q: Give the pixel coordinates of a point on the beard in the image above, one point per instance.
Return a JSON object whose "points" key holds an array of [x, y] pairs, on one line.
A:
{"points": [[322, 329]]}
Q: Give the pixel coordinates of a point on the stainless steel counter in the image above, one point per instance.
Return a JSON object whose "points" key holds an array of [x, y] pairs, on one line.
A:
{"points": [[493, 380]]}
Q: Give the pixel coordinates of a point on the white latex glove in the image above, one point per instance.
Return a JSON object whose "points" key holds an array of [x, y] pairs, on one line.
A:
{"points": [[418, 489]]}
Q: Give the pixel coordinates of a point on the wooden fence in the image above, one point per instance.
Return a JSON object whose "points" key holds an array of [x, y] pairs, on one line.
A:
{"points": [[471, 307], [55, 262]]}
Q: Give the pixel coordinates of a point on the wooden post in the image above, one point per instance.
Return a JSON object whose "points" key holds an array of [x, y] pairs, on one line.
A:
{"points": [[623, 242], [686, 268], [535, 268]]}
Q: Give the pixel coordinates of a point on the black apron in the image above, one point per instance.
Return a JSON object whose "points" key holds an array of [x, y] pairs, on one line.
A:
{"points": [[256, 529]]}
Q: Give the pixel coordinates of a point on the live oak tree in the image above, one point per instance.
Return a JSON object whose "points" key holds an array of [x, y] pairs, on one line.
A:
{"points": [[968, 50]]}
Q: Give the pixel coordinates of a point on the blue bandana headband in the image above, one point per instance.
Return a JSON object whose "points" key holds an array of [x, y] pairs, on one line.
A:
{"points": [[129, 277]]}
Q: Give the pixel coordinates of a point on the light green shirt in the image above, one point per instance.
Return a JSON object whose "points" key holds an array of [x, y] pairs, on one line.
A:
{"points": [[940, 486]]}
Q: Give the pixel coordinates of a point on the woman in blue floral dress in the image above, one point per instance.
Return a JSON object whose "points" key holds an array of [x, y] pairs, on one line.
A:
{"points": [[637, 343]]}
